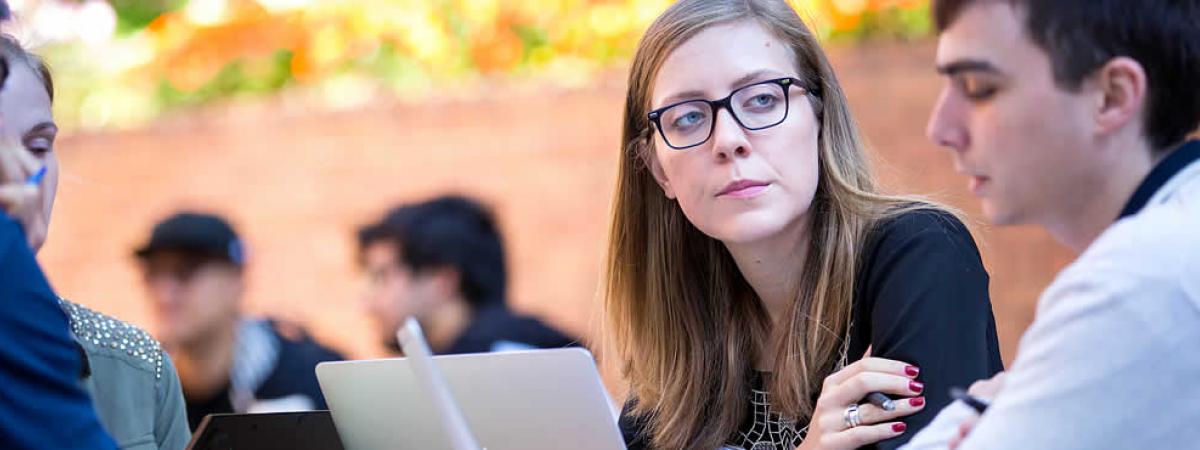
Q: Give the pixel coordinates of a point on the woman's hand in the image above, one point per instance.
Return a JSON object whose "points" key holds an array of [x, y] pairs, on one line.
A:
{"points": [[830, 427], [19, 199]]}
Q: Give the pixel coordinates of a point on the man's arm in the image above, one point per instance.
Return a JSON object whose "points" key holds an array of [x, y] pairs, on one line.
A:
{"points": [[1103, 365]]}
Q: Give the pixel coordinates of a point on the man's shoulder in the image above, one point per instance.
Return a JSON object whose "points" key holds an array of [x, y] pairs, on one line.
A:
{"points": [[498, 325], [102, 335], [287, 369], [1143, 268], [1161, 241], [1170, 220], [297, 343]]}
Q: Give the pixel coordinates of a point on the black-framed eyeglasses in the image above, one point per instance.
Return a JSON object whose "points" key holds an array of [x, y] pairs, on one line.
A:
{"points": [[754, 107]]}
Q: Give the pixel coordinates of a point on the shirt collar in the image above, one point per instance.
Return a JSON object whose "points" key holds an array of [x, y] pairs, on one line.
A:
{"points": [[85, 368], [1174, 163]]}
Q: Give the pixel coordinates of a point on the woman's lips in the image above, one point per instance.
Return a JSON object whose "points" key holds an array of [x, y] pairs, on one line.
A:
{"points": [[743, 189]]}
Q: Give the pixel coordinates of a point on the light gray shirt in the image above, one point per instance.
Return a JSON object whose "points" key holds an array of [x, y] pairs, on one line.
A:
{"points": [[1112, 360]]}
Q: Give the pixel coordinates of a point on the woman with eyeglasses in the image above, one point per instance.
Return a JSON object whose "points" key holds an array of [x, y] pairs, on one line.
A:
{"points": [[759, 287]]}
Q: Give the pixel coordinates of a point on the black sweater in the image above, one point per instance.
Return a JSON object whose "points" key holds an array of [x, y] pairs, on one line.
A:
{"points": [[921, 297]]}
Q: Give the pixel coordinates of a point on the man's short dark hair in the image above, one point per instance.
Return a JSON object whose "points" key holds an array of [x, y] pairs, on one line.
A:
{"points": [[449, 231], [1080, 36]]}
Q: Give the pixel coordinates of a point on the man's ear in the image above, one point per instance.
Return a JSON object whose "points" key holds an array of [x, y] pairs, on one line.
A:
{"points": [[1123, 86]]}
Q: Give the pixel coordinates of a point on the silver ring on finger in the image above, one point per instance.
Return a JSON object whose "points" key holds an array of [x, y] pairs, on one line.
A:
{"points": [[852, 417]]}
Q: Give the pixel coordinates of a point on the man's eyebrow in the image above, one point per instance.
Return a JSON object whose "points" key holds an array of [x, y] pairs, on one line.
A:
{"points": [[967, 65]]}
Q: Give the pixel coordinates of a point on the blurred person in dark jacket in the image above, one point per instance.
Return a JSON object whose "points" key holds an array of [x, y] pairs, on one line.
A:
{"points": [[442, 261]]}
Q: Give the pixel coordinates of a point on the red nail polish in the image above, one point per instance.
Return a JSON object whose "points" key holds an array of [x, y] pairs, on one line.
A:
{"points": [[917, 402], [899, 427], [912, 371], [916, 386]]}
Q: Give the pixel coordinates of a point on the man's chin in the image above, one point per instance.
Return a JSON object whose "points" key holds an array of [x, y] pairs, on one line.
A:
{"points": [[999, 215]]}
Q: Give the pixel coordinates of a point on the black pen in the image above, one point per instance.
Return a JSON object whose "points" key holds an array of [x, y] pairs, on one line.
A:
{"points": [[881, 401], [978, 404]]}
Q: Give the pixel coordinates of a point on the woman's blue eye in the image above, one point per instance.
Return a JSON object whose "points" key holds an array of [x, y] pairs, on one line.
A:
{"points": [[688, 119], [762, 100]]}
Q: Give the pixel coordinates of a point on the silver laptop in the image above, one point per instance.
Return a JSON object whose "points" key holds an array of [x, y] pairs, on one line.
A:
{"points": [[527, 400]]}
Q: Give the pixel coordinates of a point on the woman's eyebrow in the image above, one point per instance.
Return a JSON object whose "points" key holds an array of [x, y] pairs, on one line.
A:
{"points": [[740, 82]]}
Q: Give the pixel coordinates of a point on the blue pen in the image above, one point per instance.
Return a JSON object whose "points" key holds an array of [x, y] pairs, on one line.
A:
{"points": [[36, 178]]}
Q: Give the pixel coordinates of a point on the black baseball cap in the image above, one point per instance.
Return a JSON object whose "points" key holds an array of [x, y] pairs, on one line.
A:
{"points": [[196, 233]]}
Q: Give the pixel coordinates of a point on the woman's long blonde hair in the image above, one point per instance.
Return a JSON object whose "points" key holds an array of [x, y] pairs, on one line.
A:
{"points": [[685, 325]]}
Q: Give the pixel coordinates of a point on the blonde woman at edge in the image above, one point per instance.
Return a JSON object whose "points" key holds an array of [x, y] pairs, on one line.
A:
{"points": [[753, 264]]}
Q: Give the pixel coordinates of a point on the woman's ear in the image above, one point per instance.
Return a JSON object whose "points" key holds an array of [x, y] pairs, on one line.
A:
{"points": [[650, 158], [660, 177]]}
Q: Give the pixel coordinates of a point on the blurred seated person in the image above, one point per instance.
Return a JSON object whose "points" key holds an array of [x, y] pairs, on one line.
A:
{"points": [[442, 261], [42, 404], [131, 382], [193, 266]]}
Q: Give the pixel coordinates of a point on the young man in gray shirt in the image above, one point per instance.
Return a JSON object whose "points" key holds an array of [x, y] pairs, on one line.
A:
{"points": [[1074, 115]]}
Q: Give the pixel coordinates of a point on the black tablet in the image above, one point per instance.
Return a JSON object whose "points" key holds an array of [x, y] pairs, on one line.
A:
{"points": [[307, 430]]}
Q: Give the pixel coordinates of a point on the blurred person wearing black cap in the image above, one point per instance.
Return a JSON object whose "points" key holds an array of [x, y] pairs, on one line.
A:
{"points": [[442, 261], [193, 267]]}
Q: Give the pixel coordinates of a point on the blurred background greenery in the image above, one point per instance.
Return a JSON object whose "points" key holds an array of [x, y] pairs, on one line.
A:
{"points": [[120, 63]]}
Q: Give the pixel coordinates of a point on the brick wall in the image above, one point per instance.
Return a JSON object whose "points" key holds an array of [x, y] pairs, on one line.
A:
{"points": [[297, 183]]}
